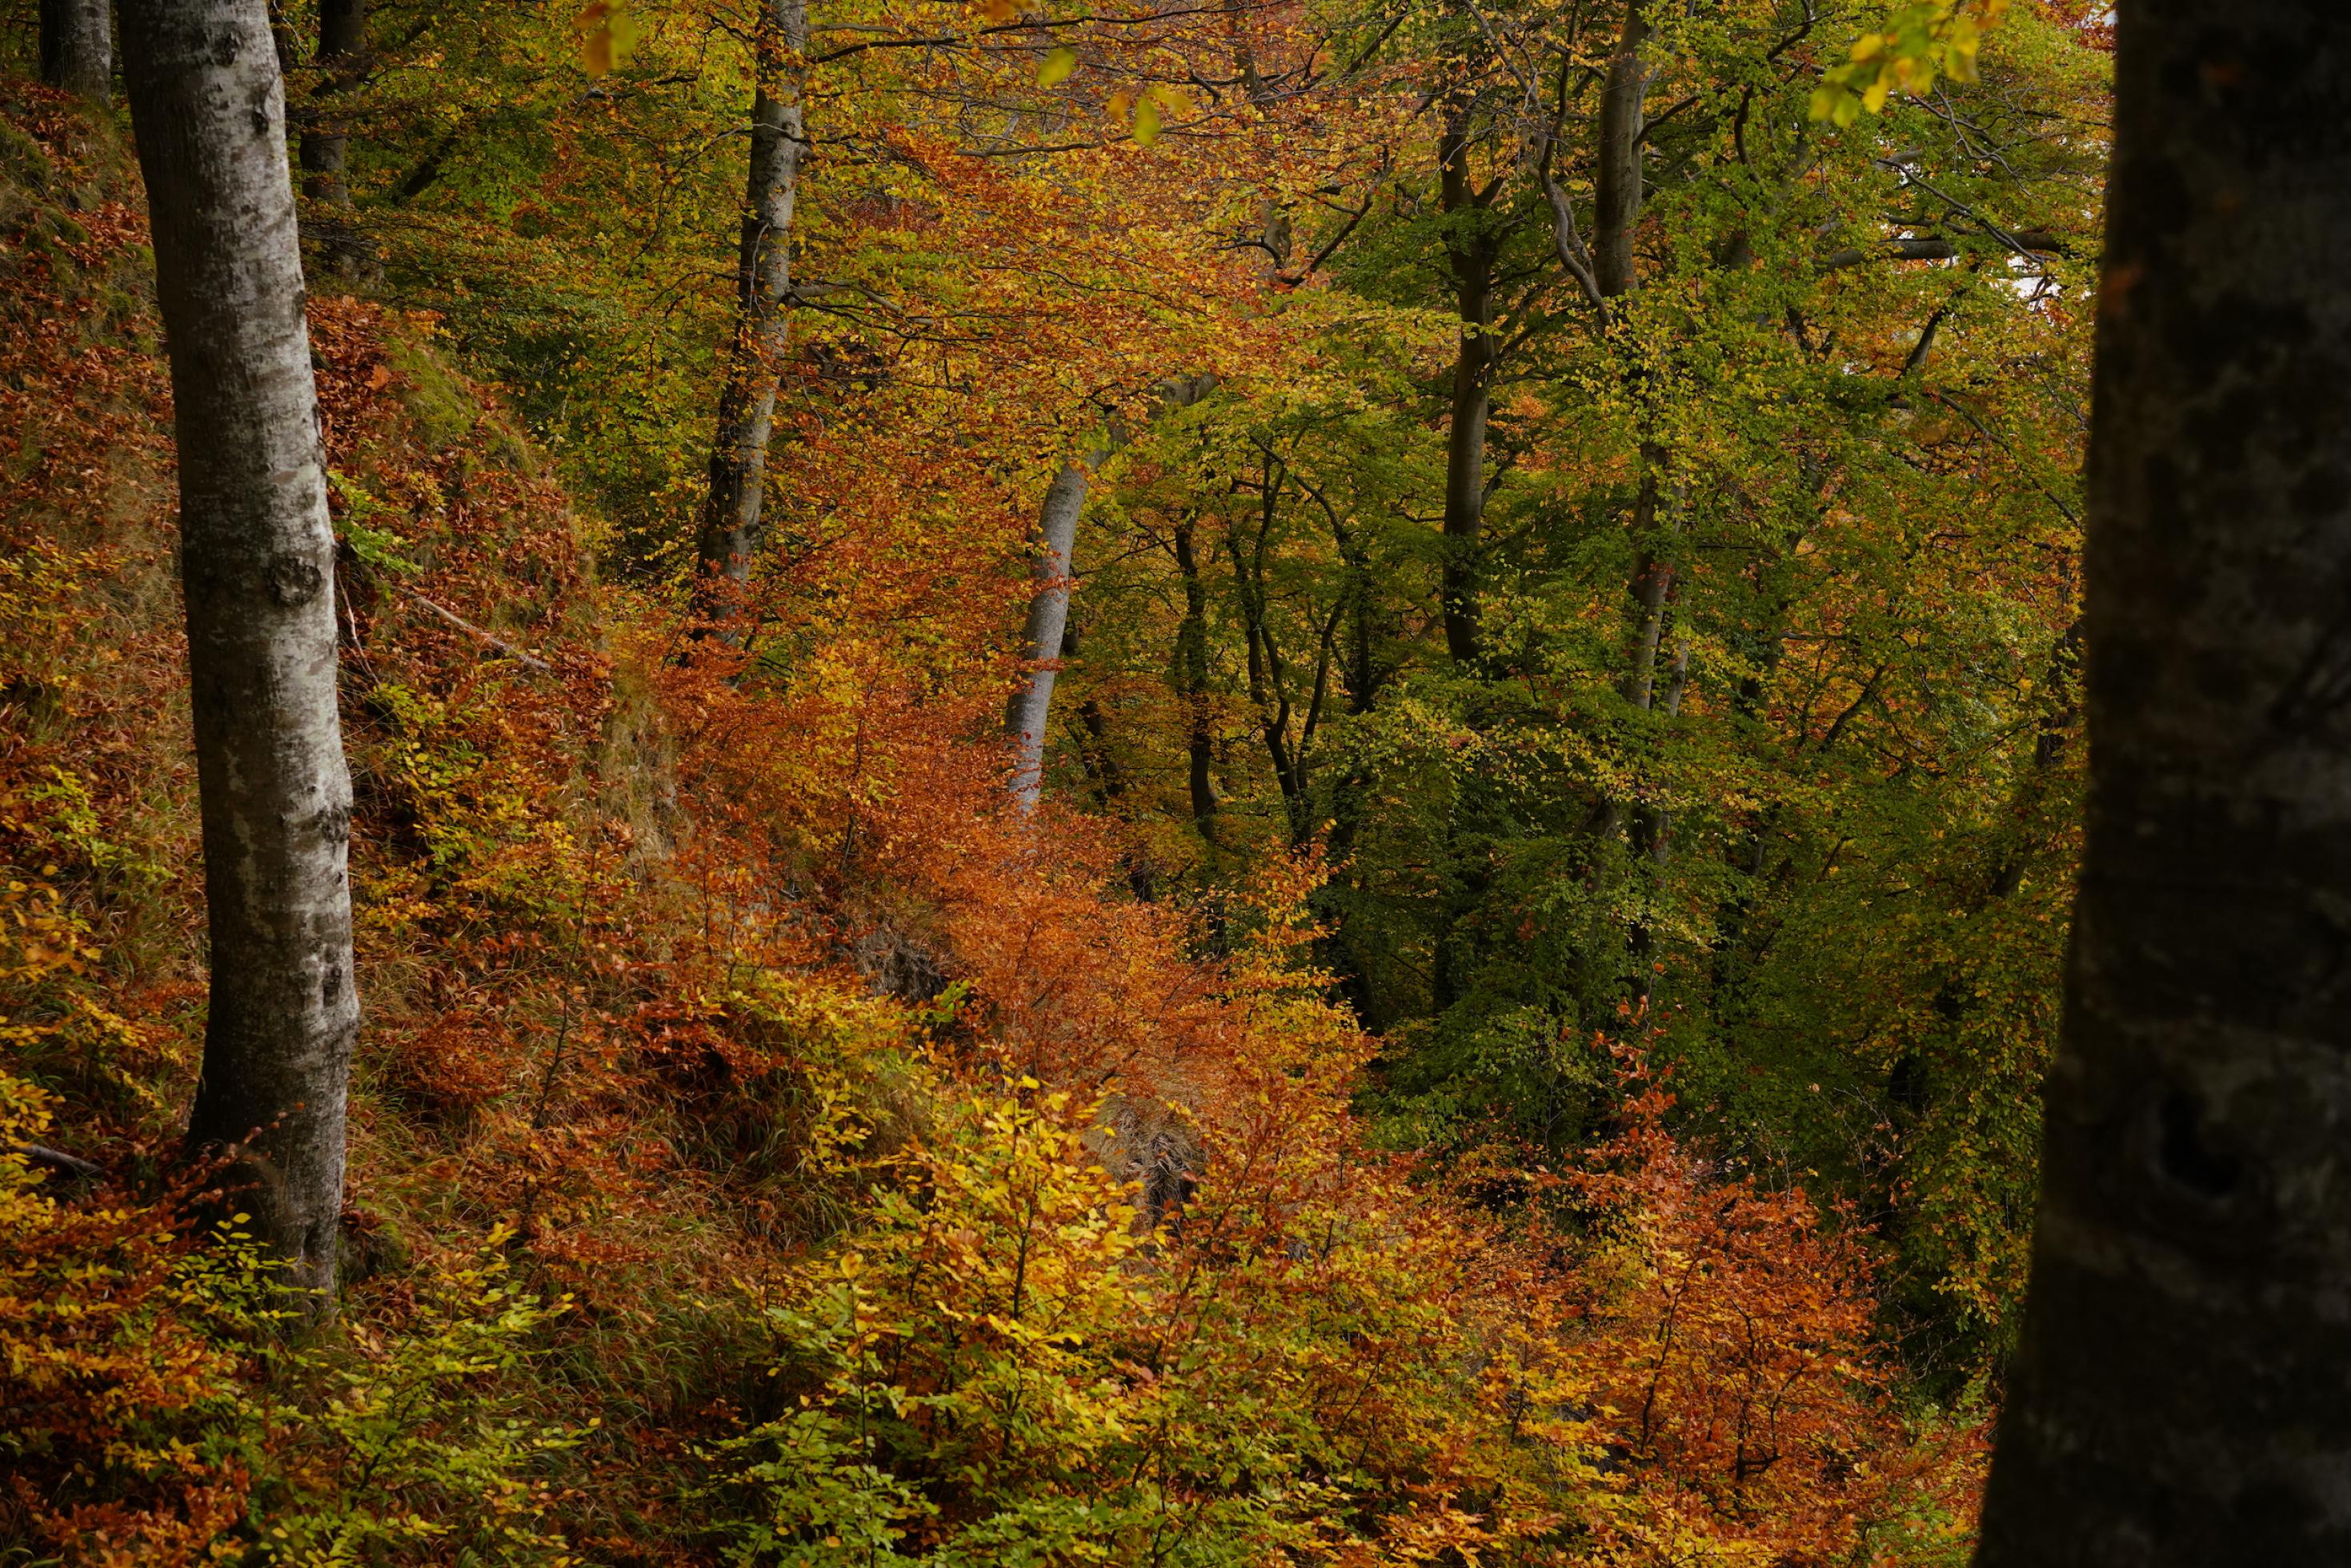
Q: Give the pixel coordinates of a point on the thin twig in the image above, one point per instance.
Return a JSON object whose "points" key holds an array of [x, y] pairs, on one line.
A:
{"points": [[461, 624]]}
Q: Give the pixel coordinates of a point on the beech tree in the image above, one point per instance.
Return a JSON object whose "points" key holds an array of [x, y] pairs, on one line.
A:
{"points": [[325, 151], [2179, 1397], [257, 570], [1032, 703], [1049, 618], [763, 281], [76, 52]]}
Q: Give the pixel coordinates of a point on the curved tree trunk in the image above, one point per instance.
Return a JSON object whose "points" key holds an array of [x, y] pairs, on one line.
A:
{"points": [[730, 527], [257, 566], [76, 52], [2180, 1396], [1031, 704], [1048, 617]]}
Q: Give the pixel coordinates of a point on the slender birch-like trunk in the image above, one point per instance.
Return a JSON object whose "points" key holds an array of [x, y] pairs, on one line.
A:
{"points": [[731, 529], [2182, 1393], [1031, 704], [77, 53], [257, 570], [1048, 617]]}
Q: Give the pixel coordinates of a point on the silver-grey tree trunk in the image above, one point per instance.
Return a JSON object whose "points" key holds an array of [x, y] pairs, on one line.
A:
{"points": [[1031, 704], [763, 279], [1048, 617], [76, 52], [2182, 1394], [257, 570]]}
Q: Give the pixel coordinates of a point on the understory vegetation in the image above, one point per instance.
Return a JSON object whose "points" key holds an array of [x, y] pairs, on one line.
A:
{"points": [[1513, 1035]]}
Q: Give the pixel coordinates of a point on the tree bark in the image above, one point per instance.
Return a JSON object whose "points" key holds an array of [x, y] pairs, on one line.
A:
{"points": [[1473, 254], [1192, 682], [1617, 212], [730, 527], [76, 52], [257, 570], [1616, 195], [326, 147], [1031, 706], [2179, 1395], [1651, 586]]}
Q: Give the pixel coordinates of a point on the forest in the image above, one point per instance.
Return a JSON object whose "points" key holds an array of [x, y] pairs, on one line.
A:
{"points": [[1153, 782]]}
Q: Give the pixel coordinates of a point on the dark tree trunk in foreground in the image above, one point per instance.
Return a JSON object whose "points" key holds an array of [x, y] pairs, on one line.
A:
{"points": [[1048, 617], [76, 51], [2183, 1391], [257, 568], [763, 281]]}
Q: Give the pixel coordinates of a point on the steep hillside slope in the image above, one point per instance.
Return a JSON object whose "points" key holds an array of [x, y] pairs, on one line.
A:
{"points": [[765, 1146]]}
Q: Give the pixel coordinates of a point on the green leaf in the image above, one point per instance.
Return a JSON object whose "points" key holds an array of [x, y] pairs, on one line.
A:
{"points": [[1057, 67], [1146, 122]]}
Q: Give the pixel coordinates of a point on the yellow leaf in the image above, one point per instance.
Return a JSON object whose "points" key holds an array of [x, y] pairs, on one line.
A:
{"points": [[1146, 122], [607, 35], [1057, 67]]}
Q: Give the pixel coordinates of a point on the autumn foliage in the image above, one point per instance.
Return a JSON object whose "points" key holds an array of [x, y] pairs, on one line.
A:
{"points": [[767, 1144]]}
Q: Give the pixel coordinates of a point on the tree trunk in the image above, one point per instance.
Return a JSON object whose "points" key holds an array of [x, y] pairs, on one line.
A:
{"points": [[75, 53], [326, 147], [1049, 615], [1030, 708], [1192, 682], [1651, 586], [1616, 195], [257, 570], [1473, 257], [2180, 1393], [747, 405]]}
